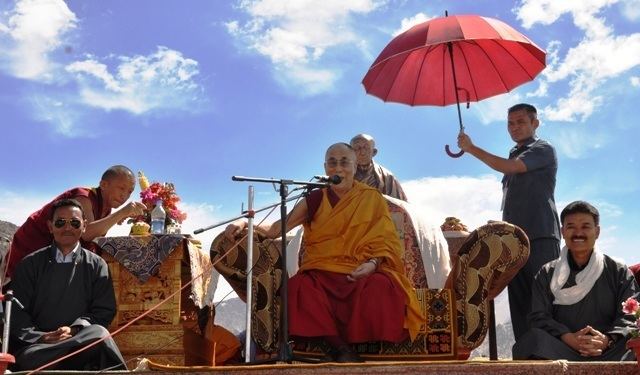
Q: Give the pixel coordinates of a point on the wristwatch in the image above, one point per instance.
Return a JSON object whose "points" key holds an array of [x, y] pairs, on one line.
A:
{"points": [[374, 261]]}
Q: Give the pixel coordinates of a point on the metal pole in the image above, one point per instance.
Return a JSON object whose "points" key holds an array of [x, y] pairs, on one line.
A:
{"points": [[247, 346], [7, 320], [493, 345], [284, 327]]}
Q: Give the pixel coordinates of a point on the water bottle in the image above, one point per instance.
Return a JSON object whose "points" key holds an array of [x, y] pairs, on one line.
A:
{"points": [[158, 216]]}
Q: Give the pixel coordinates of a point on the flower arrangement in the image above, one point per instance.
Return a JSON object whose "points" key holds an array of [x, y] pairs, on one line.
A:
{"points": [[632, 307], [150, 193]]}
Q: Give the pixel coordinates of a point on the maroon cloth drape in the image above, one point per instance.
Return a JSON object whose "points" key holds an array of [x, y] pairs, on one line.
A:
{"points": [[325, 303]]}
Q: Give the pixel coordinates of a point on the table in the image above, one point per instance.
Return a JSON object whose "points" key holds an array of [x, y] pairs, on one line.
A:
{"points": [[145, 271]]}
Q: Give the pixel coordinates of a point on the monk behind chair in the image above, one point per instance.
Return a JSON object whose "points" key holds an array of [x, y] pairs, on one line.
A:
{"points": [[486, 262]]}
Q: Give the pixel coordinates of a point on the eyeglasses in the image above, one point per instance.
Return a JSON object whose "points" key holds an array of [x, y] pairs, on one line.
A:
{"points": [[334, 163], [75, 223]]}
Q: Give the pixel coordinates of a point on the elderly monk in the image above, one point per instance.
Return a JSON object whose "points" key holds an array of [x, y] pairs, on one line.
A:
{"points": [[372, 173], [351, 286]]}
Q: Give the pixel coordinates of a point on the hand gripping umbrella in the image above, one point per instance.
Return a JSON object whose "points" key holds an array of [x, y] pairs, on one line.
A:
{"points": [[435, 61]]}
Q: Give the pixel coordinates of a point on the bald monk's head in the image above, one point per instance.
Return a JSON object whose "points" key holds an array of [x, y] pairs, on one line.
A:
{"points": [[365, 148]]}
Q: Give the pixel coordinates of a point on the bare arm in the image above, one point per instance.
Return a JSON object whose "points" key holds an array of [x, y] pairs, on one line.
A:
{"points": [[506, 166], [97, 228], [295, 218]]}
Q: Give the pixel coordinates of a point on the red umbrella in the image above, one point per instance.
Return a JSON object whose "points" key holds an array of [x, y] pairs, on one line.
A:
{"points": [[437, 61]]}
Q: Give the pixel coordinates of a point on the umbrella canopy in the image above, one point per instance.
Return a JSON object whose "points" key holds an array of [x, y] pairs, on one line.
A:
{"points": [[489, 56]]}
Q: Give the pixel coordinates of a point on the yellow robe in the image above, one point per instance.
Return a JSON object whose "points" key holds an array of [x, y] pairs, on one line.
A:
{"points": [[359, 228]]}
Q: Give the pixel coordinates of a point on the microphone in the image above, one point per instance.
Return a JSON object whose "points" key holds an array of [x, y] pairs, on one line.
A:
{"points": [[335, 179]]}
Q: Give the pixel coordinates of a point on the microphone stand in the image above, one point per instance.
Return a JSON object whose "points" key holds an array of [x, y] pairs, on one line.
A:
{"points": [[285, 354]]}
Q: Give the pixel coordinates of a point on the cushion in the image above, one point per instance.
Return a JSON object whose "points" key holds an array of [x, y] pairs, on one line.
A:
{"points": [[487, 261], [265, 285]]}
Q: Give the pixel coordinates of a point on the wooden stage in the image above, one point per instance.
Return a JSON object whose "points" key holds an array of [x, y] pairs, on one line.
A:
{"points": [[502, 367]]}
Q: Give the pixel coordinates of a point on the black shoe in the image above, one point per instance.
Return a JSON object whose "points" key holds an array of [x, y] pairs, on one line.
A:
{"points": [[347, 355], [331, 355]]}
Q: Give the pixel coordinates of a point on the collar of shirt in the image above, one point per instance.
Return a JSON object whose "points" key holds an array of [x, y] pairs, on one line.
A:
{"points": [[519, 149], [60, 258]]}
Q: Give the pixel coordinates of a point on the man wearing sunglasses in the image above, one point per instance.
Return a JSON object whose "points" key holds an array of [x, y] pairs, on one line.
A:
{"points": [[116, 185], [68, 301]]}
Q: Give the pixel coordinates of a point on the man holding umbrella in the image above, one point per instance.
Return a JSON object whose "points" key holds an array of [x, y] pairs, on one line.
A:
{"points": [[528, 201]]}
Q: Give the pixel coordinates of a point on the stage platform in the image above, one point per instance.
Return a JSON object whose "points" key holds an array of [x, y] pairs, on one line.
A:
{"points": [[502, 367]]}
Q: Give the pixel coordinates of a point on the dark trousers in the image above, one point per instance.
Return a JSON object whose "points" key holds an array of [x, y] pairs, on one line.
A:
{"points": [[538, 344], [541, 251], [102, 356]]}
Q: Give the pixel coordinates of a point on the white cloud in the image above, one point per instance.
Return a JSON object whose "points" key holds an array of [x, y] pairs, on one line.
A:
{"points": [[408, 23], [599, 57], [608, 210], [575, 143], [547, 12], [474, 200], [581, 103], [495, 108], [635, 81], [16, 207], [35, 28], [315, 80], [59, 112], [631, 9], [140, 84], [295, 35]]}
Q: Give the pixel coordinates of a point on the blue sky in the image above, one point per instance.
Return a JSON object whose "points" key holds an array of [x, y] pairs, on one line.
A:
{"points": [[194, 92]]}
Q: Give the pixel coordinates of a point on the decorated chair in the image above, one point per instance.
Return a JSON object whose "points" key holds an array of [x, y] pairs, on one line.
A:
{"points": [[455, 301]]}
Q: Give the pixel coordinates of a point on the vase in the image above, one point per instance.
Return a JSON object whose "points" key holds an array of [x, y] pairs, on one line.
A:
{"points": [[634, 344]]}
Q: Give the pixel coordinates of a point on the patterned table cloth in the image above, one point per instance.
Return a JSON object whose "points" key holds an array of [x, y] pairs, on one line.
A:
{"points": [[143, 255], [140, 255]]}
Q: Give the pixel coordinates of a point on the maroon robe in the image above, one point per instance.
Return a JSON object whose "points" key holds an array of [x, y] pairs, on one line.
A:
{"points": [[326, 304]]}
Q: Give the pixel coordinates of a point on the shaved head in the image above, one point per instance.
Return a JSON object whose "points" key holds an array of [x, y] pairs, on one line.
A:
{"points": [[365, 137], [341, 145], [340, 160]]}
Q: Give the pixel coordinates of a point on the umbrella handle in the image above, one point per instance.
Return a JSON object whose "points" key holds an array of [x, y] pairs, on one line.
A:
{"points": [[451, 154]]}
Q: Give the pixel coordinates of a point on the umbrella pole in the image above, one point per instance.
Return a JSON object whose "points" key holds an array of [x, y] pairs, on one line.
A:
{"points": [[455, 84]]}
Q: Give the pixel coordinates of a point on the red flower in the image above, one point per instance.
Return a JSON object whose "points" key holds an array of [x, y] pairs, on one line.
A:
{"points": [[166, 192], [630, 306]]}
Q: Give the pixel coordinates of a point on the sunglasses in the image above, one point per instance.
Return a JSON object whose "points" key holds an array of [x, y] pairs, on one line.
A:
{"points": [[75, 223]]}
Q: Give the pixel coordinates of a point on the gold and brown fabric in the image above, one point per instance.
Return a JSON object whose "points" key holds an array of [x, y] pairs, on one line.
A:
{"points": [[487, 261], [413, 266], [265, 286]]}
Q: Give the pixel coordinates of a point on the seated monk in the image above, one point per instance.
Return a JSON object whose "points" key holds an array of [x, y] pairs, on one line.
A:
{"points": [[351, 286]]}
